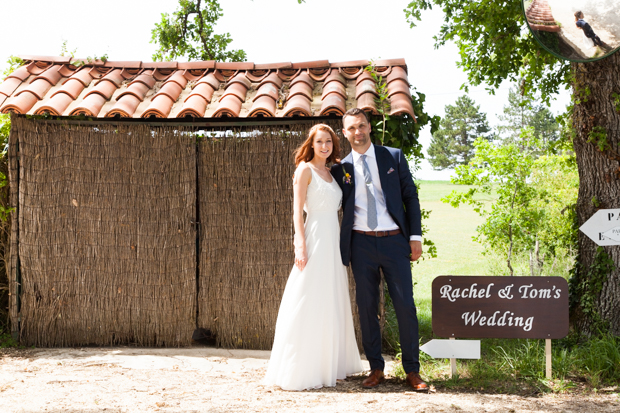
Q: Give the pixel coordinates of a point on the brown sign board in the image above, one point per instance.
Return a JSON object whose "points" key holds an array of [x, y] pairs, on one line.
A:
{"points": [[500, 307]]}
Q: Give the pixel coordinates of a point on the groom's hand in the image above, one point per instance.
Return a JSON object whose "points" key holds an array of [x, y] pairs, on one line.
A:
{"points": [[416, 250]]}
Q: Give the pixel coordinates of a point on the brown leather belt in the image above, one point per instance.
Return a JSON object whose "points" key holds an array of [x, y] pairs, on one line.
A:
{"points": [[379, 233]]}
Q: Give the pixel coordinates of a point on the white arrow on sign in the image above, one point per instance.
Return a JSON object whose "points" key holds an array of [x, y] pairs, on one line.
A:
{"points": [[452, 349], [603, 227]]}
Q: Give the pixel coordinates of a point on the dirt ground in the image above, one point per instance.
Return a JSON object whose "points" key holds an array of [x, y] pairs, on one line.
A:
{"points": [[203, 379]]}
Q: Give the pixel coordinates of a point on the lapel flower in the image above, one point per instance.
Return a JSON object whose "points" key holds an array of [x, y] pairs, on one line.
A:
{"points": [[346, 179]]}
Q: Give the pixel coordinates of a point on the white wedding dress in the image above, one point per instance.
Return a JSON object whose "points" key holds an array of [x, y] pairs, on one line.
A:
{"points": [[315, 341]]}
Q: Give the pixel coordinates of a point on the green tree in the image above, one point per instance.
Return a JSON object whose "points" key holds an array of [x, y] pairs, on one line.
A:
{"points": [[190, 33], [452, 143], [494, 45], [521, 111], [533, 195]]}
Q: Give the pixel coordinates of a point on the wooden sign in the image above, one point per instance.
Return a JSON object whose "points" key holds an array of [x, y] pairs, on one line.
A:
{"points": [[603, 227], [500, 307]]}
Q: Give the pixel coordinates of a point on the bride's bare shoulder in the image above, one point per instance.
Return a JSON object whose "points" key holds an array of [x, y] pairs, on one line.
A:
{"points": [[302, 173]]}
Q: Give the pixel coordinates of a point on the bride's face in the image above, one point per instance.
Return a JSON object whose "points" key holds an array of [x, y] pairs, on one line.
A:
{"points": [[322, 145]]}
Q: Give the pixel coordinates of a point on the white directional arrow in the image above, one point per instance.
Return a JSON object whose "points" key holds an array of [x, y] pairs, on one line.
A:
{"points": [[455, 349], [603, 227], [613, 233]]}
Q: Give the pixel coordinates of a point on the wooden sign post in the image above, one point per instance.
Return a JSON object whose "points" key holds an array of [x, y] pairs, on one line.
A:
{"points": [[501, 307]]}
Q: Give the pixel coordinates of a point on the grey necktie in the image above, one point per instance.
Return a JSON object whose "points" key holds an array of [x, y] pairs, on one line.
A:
{"points": [[372, 204]]}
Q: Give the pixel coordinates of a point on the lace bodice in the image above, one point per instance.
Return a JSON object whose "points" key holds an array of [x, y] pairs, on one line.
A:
{"points": [[322, 195]]}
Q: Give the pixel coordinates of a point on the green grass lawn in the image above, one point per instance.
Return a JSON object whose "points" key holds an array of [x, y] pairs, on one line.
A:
{"points": [[451, 229]]}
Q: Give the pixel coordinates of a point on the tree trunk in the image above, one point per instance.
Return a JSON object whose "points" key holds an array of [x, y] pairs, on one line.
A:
{"points": [[599, 188]]}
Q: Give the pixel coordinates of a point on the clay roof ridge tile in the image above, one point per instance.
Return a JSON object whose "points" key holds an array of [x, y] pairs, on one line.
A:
{"points": [[311, 64]]}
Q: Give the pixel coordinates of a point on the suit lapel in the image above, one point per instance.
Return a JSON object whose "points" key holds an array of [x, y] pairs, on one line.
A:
{"points": [[347, 163], [383, 165]]}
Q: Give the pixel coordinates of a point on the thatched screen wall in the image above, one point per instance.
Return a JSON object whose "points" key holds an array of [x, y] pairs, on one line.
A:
{"points": [[110, 217], [107, 250]]}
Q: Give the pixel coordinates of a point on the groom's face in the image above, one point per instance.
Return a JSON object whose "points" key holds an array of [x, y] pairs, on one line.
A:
{"points": [[357, 131]]}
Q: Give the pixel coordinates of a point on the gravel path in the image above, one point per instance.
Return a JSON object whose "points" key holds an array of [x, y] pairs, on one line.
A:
{"points": [[204, 379]]}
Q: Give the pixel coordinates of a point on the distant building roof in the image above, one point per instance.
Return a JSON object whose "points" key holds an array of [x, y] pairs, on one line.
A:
{"points": [[540, 18], [56, 86]]}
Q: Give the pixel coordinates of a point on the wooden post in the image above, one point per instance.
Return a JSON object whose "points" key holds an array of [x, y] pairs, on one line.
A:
{"points": [[452, 364], [548, 358]]}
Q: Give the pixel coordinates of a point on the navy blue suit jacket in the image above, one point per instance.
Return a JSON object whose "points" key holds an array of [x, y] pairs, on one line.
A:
{"points": [[399, 191]]}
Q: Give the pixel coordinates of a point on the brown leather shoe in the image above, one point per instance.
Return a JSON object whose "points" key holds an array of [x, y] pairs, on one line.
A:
{"points": [[374, 379], [416, 382]]}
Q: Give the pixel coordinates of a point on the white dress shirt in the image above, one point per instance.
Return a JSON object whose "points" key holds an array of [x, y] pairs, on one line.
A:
{"points": [[360, 218]]}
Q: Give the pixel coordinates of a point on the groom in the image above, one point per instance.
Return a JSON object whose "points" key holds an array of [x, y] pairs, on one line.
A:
{"points": [[381, 229]]}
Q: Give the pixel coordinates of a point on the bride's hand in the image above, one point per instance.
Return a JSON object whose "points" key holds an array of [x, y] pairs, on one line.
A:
{"points": [[301, 258]]}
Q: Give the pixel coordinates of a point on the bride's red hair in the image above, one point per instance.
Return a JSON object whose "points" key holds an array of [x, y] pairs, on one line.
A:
{"points": [[305, 152]]}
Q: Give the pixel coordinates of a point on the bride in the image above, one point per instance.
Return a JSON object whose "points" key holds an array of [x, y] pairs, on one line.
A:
{"points": [[314, 342]]}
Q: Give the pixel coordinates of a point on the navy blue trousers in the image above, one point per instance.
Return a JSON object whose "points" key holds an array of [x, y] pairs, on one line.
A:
{"points": [[391, 254]]}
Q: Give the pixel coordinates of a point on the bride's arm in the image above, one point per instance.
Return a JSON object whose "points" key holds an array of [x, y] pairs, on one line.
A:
{"points": [[302, 178]]}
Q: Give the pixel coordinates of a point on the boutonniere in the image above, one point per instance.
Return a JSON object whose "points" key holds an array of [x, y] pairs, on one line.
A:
{"points": [[346, 179]]}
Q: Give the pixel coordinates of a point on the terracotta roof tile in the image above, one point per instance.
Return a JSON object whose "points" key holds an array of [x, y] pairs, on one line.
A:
{"points": [[333, 104], [263, 106], [199, 89], [19, 104], [236, 89], [124, 64], [72, 87], [160, 107], [397, 73], [390, 62], [353, 63], [234, 65], [398, 86], [203, 90], [301, 88], [272, 78], [229, 106], [241, 78], [21, 73], [401, 104], [273, 66], [335, 75], [366, 86], [303, 77], [160, 65], [367, 102], [298, 105], [48, 59], [256, 75], [318, 75], [9, 86], [56, 105], [195, 106], [288, 74], [207, 64], [268, 89], [90, 106], [125, 106], [313, 64], [210, 79], [52, 75]]}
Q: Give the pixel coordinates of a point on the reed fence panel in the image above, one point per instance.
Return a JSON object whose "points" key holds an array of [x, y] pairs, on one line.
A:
{"points": [[246, 237], [107, 249]]}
